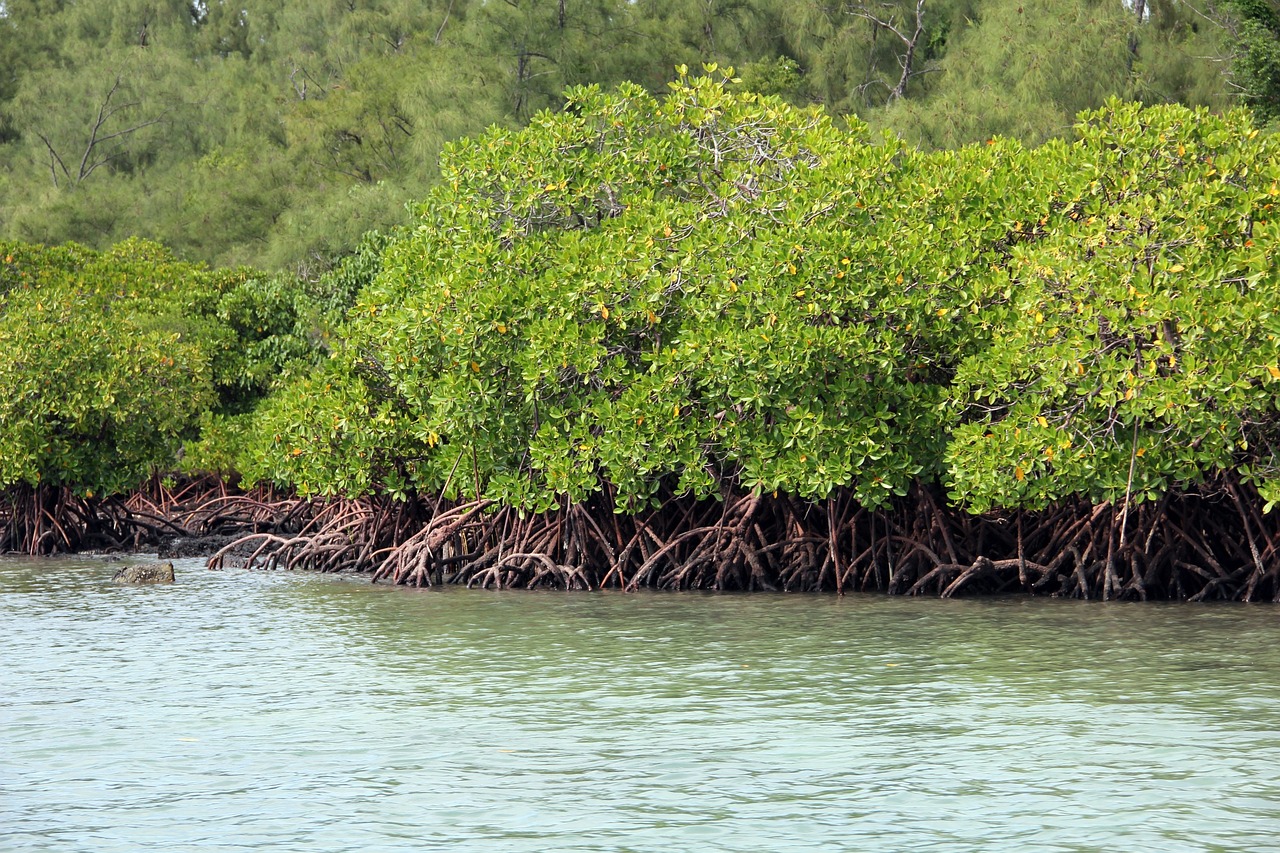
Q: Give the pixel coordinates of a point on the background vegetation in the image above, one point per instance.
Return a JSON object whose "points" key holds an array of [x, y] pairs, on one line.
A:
{"points": [[275, 132]]}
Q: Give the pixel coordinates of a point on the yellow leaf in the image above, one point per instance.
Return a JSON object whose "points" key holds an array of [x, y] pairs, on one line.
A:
{"points": [[1274, 371], [1041, 420], [475, 368], [942, 312], [1140, 451], [666, 231], [899, 278], [502, 328], [1039, 317], [1128, 395], [1018, 474], [1177, 268], [604, 311], [676, 410]]}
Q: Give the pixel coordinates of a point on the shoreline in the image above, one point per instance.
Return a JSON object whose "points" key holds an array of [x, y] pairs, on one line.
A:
{"points": [[1210, 545]]}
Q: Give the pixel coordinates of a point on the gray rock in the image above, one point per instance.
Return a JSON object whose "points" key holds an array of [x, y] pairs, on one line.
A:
{"points": [[145, 573]]}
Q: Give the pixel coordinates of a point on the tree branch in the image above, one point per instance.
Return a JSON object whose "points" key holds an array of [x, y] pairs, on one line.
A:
{"points": [[97, 125], [911, 42], [54, 160]]}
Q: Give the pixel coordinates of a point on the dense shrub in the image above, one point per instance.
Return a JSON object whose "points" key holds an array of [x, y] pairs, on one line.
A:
{"points": [[716, 290], [112, 360]]}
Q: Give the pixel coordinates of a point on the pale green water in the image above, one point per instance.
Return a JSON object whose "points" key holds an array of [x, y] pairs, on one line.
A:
{"points": [[240, 711]]}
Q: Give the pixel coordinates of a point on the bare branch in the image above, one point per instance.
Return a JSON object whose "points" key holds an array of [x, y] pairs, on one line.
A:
{"points": [[97, 125], [910, 42], [54, 160], [440, 31], [108, 158]]}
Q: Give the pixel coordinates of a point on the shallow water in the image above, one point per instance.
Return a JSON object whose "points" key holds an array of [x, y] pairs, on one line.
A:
{"points": [[238, 711]]}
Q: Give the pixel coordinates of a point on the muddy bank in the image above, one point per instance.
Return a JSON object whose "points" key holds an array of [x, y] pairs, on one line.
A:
{"points": [[179, 547]]}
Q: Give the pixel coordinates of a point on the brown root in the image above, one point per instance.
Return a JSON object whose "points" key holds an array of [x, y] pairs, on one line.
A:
{"points": [[1209, 544]]}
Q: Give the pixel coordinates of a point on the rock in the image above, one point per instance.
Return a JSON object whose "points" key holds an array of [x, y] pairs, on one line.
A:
{"points": [[145, 573]]}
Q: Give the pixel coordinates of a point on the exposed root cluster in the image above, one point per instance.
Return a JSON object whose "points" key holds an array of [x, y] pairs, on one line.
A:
{"points": [[49, 519], [46, 520], [1212, 544]]}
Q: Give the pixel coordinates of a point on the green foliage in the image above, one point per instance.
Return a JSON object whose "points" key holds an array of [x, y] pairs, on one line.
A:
{"points": [[1138, 327], [713, 290], [275, 133], [710, 290], [114, 359], [1256, 65], [1023, 70], [717, 290]]}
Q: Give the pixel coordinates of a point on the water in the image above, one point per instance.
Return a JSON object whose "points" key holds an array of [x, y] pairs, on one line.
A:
{"points": [[238, 711]]}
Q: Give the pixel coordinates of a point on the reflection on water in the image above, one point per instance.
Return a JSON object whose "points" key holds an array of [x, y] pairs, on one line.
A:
{"points": [[239, 711]]}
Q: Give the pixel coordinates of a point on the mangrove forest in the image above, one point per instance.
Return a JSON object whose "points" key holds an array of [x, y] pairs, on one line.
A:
{"points": [[707, 339]]}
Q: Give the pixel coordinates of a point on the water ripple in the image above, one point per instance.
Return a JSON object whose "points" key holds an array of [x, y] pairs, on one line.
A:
{"points": [[241, 711]]}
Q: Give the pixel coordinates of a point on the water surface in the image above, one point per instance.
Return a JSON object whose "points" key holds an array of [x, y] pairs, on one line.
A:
{"points": [[239, 711]]}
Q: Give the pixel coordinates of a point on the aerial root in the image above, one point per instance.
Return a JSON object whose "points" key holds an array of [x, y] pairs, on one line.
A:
{"points": [[1213, 543]]}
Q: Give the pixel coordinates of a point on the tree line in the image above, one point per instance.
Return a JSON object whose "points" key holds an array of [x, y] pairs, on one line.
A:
{"points": [[274, 133]]}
